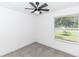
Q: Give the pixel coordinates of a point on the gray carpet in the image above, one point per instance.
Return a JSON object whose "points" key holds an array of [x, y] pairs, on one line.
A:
{"points": [[37, 50]]}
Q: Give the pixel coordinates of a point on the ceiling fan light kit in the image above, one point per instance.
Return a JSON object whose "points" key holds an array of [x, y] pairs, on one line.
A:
{"points": [[36, 8]]}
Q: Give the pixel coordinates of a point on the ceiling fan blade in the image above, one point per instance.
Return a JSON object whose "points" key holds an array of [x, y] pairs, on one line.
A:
{"points": [[37, 3], [40, 12], [42, 6], [44, 9], [30, 8], [33, 11], [33, 4]]}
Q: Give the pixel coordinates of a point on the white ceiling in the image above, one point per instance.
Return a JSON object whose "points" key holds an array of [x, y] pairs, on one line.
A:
{"points": [[53, 6]]}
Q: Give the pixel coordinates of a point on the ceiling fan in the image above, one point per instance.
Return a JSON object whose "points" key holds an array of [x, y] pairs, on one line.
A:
{"points": [[37, 8]]}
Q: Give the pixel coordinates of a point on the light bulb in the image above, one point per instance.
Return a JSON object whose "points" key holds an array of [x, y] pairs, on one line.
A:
{"points": [[36, 12]]}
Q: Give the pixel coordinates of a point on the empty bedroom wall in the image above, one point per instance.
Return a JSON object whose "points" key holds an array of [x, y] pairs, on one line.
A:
{"points": [[16, 30], [46, 31]]}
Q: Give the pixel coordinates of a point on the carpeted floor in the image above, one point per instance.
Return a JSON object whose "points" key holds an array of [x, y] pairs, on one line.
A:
{"points": [[37, 50]]}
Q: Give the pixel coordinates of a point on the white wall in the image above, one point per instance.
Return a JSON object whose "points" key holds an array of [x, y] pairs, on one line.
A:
{"points": [[46, 31], [16, 30]]}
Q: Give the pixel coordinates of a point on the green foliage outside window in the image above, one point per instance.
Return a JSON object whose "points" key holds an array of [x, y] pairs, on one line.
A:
{"points": [[66, 22]]}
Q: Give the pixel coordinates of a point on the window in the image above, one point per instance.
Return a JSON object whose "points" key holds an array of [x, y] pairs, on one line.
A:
{"points": [[67, 28]]}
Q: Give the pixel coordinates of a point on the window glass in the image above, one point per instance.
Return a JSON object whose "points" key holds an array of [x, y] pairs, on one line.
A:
{"points": [[67, 28]]}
